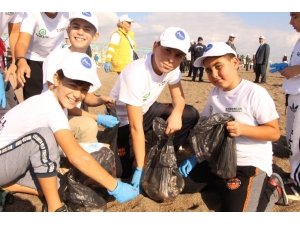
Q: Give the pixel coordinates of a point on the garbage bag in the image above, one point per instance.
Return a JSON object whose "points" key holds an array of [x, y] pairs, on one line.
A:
{"points": [[85, 194], [161, 180], [211, 141]]}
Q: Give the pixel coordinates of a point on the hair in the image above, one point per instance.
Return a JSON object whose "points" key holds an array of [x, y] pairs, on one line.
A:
{"points": [[228, 56], [95, 29], [284, 58], [61, 76]]}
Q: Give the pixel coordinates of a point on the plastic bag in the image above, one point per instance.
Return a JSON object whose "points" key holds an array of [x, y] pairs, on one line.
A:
{"points": [[161, 180], [211, 141], [85, 194]]}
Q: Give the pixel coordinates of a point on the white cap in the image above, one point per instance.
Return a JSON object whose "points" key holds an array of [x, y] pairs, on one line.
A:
{"points": [[192, 41], [262, 36], [88, 16], [78, 66], [125, 17], [247, 54], [214, 49], [231, 35], [284, 54], [175, 37]]}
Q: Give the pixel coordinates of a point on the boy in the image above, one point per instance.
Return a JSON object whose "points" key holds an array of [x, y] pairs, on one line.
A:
{"points": [[136, 91], [82, 30], [33, 143], [253, 129], [291, 88]]}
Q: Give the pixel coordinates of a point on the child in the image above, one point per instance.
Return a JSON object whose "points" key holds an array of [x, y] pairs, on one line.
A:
{"points": [[136, 91], [82, 30], [291, 88], [254, 130], [28, 149]]}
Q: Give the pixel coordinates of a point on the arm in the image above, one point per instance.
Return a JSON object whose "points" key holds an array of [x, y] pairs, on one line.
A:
{"points": [[21, 50], [114, 41], [174, 121], [79, 112], [13, 31], [291, 71], [92, 100], [267, 54], [263, 132]]}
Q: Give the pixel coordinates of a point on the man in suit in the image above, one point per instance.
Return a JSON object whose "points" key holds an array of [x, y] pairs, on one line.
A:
{"points": [[261, 59], [230, 41]]}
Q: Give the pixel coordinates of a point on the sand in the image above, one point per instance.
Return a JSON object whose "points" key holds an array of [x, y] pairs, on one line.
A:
{"points": [[196, 94]]}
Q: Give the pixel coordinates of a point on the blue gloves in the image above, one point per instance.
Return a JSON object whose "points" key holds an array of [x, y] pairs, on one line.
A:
{"points": [[107, 121], [2, 92], [278, 67], [136, 180], [107, 67], [187, 165], [124, 192]]}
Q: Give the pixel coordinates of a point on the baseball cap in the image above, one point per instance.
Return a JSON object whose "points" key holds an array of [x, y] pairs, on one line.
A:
{"points": [[231, 35], [192, 41], [88, 16], [78, 66], [175, 37], [214, 49], [126, 18], [200, 38], [262, 36]]}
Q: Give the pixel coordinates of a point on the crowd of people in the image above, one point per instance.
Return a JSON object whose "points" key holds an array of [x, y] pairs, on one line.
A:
{"points": [[59, 83]]}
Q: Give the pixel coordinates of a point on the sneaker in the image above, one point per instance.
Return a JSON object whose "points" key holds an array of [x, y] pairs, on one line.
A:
{"points": [[292, 191], [277, 181]]}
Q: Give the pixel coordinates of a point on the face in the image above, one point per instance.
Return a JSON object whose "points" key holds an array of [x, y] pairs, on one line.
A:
{"points": [[126, 26], [295, 20], [165, 59], [81, 34], [261, 40], [222, 72], [68, 93], [231, 39]]}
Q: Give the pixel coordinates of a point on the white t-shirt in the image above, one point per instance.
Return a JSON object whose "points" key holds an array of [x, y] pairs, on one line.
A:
{"points": [[249, 104], [38, 111], [9, 17], [139, 85], [292, 85], [47, 34]]}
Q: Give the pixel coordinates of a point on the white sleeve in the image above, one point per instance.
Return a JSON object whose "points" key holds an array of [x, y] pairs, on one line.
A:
{"points": [[17, 18], [28, 24]]}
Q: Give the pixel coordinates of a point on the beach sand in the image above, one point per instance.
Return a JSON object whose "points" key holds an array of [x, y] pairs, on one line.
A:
{"points": [[196, 94]]}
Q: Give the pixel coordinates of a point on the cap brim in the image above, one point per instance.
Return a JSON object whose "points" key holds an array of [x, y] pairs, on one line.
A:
{"points": [[173, 45]]}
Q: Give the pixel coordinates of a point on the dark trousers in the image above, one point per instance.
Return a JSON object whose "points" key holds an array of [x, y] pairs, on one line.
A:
{"points": [[195, 72], [125, 152], [34, 84], [11, 98], [191, 68], [260, 70]]}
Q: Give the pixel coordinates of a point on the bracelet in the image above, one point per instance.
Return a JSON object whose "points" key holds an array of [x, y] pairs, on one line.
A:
{"points": [[18, 58]]}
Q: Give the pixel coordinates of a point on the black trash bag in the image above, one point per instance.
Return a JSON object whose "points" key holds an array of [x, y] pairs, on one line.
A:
{"points": [[85, 194], [211, 141], [161, 180]]}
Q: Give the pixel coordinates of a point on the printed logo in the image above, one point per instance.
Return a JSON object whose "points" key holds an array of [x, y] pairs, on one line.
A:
{"points": [[233, 183], [208, 47], [60, 29], [88, 14], [180, 35], [42, 32], [9, 13], [234, 109], [293, 108], [298, 54], [2, 123], [162, 83], [86, 62], [146, 95]]}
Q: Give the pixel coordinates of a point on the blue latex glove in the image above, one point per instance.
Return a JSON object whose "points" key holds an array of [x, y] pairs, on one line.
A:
{"points": [[107, 121], [136, 180], [124, 192], [2, 92], [278, 67], [187, 165], [107, 67]]}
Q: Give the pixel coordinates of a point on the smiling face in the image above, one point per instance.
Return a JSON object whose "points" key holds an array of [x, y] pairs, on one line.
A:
{"points": [[295, 20], [81, 34], [69, 92], [165, 59], [222, 71]]}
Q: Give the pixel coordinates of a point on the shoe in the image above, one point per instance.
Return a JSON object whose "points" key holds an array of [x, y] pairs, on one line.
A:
{"points": [[277, 182], [201, 80], [262, 82], [292, 191], [193, 79], [255, 82]]}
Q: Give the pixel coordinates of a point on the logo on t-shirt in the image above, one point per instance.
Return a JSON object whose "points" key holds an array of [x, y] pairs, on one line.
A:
{"points": [[9, 13], [42, 33], [146, 96], [234, 109], [162, 83], [180, 35], [298, 54], [86, 62]]}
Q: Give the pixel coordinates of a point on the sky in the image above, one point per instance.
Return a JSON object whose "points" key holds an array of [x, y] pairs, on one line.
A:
{"points": [[245, 22]]}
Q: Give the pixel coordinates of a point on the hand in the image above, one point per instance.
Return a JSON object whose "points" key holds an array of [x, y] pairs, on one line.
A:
{"points": [[11, 71], [291, 71], [124, 192], [187, 165], [2, 92], [108, 101], [22, 69], [107, 67], [107, 121], [136, 180], [234, 128]]}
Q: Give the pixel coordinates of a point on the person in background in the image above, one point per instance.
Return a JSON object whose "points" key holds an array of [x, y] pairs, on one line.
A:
{"points": [[261, 61], [121, 47], [192, 59], [197, 51], [230, 41], [285, 59]]}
